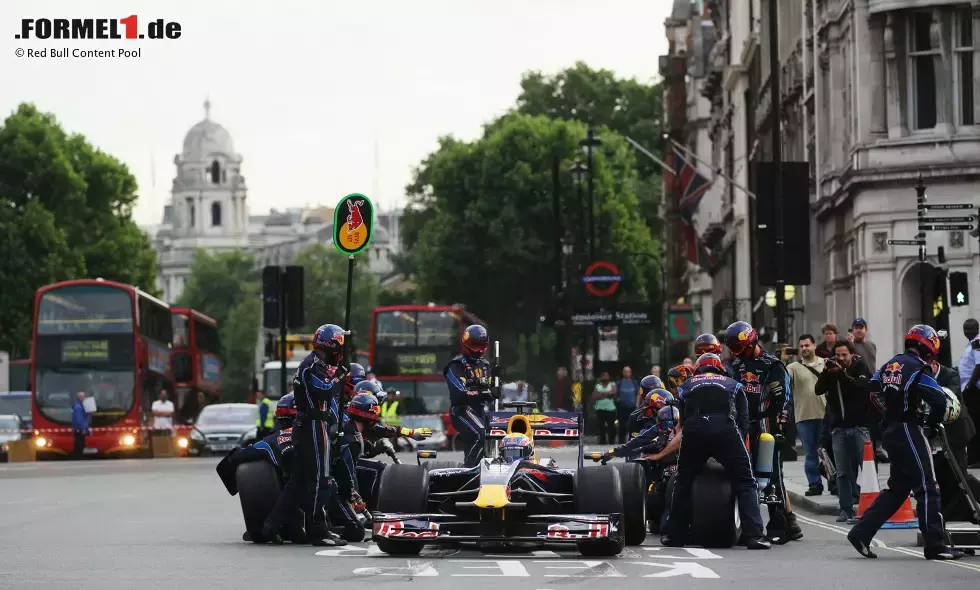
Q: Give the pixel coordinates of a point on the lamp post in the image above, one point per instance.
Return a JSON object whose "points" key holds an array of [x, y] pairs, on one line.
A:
{"points": [[578, 171], [588, 144]]}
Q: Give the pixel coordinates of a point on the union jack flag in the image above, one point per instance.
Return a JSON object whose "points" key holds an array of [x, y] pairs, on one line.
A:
{"points": [[691, 184], [694, 250]]}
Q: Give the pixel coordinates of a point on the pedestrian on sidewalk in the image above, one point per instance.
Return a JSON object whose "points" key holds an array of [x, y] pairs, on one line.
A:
{"points": [[844, 382], [969, 369], [809, 408], [866, 349], [604, 397], [629, 393], [826, 348]]}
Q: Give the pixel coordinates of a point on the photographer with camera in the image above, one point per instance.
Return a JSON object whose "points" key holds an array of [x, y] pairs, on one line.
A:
{"points": [[844, 382]]}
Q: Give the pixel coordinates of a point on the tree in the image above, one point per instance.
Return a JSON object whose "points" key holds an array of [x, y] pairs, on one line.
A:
{"points": [[225, 286], [325, 291], [489, 241], [60, 192]]}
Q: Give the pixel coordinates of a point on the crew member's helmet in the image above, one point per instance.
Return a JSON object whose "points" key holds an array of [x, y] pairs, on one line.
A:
{"points": [[328, 344], [475, 341], [952, 412], [656, 400], [357, 373], [707, 343], [709, 363], [369, 387], [925, 340], [516, 447], [668, 418], [649, 383], [678, 375], [286, 410], [363, 407], [741, 338]]}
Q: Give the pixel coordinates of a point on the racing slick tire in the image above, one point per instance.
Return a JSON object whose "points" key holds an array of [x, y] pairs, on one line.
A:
{"points": [[258, 490], [430, 465], [633, 479], [714, 516], [598, 491], [404, 489]]}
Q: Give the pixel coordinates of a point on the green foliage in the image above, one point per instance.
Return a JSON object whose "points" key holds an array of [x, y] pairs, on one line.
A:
{"points": [[225, 286], [66, 214], [489, 238], [325, 291]]}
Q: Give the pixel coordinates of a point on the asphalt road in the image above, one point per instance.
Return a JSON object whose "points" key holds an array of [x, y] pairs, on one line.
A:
{"points": [[169, 523]]}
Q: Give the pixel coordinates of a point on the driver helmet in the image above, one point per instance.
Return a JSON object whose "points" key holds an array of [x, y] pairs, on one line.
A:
{"points": [[516, 447], [741, 338], [363, 407], [475, 341], [676, 376], [709, 363], [286, 411], [925, 340], [655, 401], [328, 344], [649, 383], [668, 418], [357, 373], [952, 408], [707, 343]]}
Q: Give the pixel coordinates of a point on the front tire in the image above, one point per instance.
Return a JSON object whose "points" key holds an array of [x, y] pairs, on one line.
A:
{"points": [[404, 489], [634, 484], [714, 521], [598, 491], [258, 490]]}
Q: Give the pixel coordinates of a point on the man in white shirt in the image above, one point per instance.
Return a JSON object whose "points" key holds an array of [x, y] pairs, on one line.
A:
{"points": [[969, 370], [163, 412]]}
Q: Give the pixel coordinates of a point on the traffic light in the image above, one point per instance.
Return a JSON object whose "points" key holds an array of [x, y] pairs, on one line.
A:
{"points": [[959, 289]]}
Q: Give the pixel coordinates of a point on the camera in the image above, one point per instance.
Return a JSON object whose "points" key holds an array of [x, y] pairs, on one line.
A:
{"points": [[832, 363], [794, 351]]}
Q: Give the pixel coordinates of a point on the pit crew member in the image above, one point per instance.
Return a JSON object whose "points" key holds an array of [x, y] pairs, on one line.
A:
{"points": [[899, 389], [767, 387], [713, 411], [469, 378]]}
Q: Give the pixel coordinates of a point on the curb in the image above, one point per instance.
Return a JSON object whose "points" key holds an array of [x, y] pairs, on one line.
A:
{"points": [[809, 505]]}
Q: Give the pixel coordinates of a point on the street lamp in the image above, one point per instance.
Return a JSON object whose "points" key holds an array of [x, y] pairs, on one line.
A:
{"points": [[578, 171], [589, 144]]}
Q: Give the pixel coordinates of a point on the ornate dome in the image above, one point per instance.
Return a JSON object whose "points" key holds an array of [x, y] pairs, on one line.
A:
{"points": [[207, 138]]}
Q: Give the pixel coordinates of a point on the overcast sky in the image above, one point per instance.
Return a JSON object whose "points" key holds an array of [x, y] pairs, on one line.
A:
{"points": [[308, 88]]}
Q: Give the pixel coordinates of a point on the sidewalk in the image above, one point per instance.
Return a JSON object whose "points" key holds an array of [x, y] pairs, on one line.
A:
{"points": [[796, 486]]}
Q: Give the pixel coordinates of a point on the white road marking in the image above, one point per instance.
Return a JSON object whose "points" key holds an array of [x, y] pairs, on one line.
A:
{"points": [[679, 568], [411, 571], [590, 569], [508, 568], [695, 553]]}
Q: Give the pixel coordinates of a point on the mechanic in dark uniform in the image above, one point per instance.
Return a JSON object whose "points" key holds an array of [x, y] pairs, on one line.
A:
{"points": [[320, 378], [714, 413], [766, 383], [899, 389], [645, 415], [469, 378]]}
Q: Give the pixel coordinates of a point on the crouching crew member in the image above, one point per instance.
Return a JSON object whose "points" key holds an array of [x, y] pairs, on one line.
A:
{"points": [[714, 412], [766, 383], [646, 413], [899, 389], [469, 378], [318, 381]]}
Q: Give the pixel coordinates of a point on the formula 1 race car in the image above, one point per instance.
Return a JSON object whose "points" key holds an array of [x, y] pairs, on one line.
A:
{"points": [[510, 498]]}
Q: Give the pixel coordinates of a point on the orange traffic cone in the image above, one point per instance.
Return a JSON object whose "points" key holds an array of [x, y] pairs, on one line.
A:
{"points": [[867, 479], [903, 519]]}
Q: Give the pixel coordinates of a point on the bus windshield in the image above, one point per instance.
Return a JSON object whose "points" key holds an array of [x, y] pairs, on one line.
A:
{"points": [[85, 309], [113, 390]]}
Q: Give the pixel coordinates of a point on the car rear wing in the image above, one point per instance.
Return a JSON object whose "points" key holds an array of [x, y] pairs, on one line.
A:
{"points": [[567, 426]]}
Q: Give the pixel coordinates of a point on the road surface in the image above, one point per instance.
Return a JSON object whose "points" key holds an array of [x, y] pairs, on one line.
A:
{"points": [[169, 523]]}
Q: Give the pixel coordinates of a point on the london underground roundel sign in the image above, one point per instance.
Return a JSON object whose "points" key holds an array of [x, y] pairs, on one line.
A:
{"points": [[602, 278]]}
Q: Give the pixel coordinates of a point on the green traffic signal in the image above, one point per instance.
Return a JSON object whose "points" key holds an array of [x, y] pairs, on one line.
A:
{"points": [[959, 288]]}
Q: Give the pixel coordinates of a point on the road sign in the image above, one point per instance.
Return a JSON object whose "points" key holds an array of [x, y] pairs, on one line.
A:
{"points": [[946, 227], [948, 207], [907, 242], [602, 278], [966, 219], [681, 322], [353, 224]]}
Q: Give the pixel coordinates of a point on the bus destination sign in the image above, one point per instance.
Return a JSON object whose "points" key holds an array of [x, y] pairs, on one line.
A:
{"points": [[420, 364], [73, 351]]}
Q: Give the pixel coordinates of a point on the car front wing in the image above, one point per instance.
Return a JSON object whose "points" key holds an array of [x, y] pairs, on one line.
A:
{"points": [[448, 528]]}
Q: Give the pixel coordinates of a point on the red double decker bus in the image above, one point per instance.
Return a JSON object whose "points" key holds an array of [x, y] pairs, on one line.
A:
{"points": [[110, 341], [410, 346], [196, 365]]}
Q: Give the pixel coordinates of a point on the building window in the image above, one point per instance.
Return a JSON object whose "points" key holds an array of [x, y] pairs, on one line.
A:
{"points": [[190, 211], [215, 172], [922, 69], [963, 78], [215, 214]]}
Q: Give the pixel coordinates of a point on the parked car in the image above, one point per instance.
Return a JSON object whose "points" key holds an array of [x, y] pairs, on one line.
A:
{"points": [[19, 403], [218, 428], [10, 429]]}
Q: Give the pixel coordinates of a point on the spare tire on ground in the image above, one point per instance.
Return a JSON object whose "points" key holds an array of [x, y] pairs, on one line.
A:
{"points": [[714, 513], [598, 491], [633, 480], [404, 489], [258, 490]]}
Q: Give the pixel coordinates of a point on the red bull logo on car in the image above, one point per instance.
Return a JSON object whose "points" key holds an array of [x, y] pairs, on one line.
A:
{"points": [[892, 374]]}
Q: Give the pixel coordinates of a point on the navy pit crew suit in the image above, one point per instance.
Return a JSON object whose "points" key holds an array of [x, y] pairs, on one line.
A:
{"points": [[315, 395], [277, 448], [469, 390], [767, 389], [351, 458], [714, 412], [897, 388]]}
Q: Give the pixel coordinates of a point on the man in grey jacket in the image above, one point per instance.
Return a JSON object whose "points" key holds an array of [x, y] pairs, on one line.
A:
{"points": [[864, 347]]}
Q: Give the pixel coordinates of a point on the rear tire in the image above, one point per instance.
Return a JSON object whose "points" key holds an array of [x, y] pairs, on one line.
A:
{"points": [[258, 490], [714, 521], [404, 489], [599, 491], [634, 482]]}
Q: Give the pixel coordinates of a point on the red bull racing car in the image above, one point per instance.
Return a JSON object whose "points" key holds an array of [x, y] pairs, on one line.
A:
{"points": [[511, 497]]}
